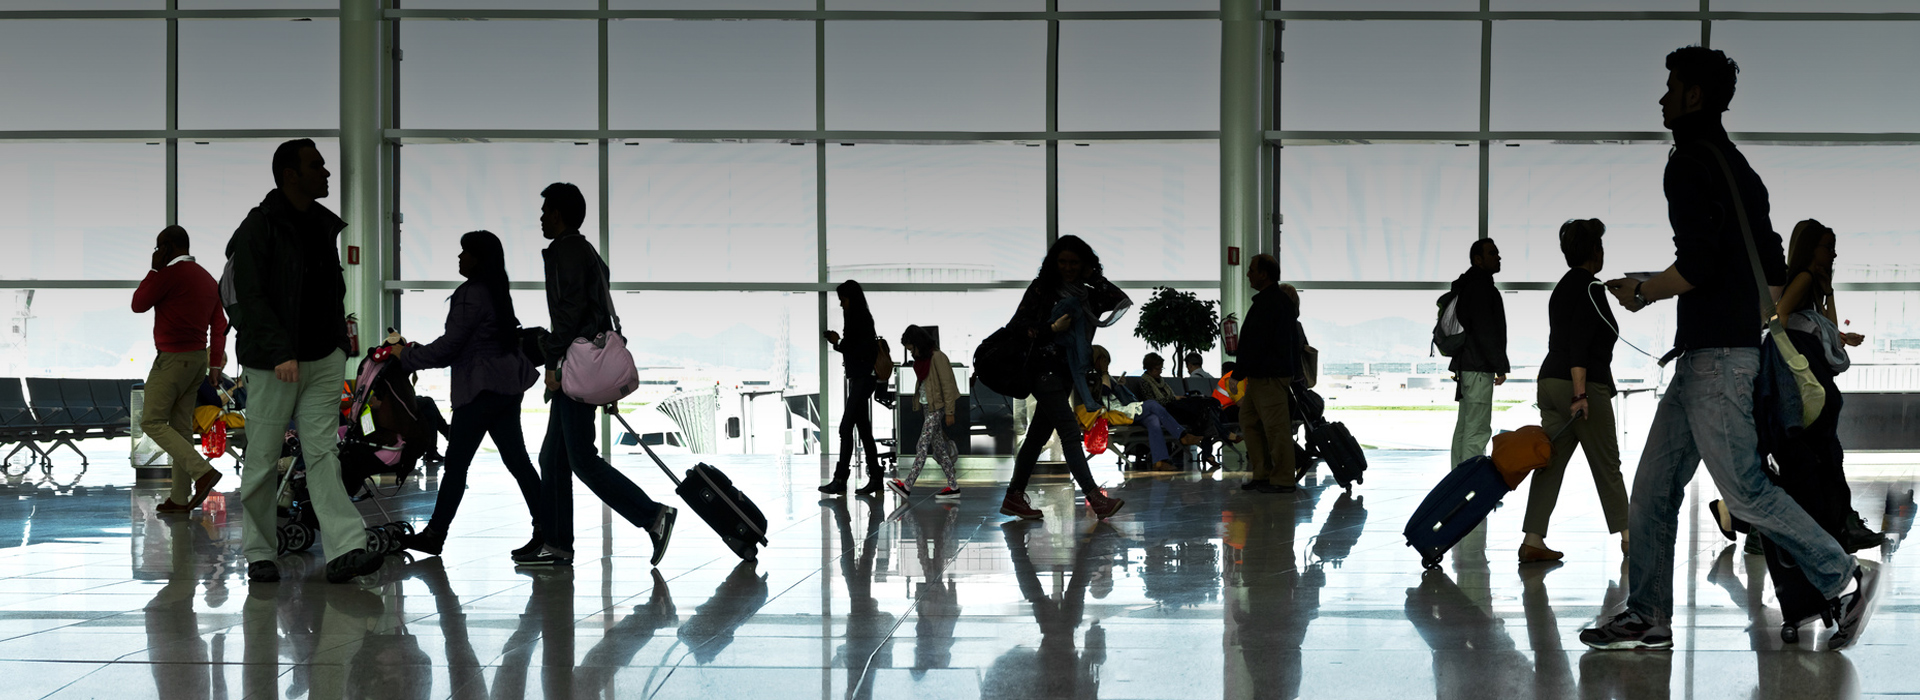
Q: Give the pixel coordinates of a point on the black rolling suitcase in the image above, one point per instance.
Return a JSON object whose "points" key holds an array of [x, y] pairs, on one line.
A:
{"points": [[711, 494], [1331, 442]]}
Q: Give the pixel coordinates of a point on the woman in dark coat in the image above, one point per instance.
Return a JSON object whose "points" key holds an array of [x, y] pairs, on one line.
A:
{"points": [[490, 375], [858, 350]]}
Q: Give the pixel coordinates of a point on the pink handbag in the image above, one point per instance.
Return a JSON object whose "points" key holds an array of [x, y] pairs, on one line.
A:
{"points": [[600, 371]]}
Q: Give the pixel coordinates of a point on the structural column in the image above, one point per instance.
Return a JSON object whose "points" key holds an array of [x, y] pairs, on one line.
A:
{"points": [[1240, 144], [358, 171]]}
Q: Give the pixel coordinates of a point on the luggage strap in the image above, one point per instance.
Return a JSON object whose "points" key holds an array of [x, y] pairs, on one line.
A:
{"points": [[715, 488]]}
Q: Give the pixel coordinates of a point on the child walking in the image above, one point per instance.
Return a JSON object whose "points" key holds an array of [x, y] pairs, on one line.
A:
{"points": [[937, 393]]}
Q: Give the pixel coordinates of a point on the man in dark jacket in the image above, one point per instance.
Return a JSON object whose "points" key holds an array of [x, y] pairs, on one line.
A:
{"points": [[1706, 413], [1482, 364], [288, 304], [1267, 360], [579, 305]]}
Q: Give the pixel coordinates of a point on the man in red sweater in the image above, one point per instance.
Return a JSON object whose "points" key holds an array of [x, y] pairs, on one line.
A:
{"points": [[190, 331]]}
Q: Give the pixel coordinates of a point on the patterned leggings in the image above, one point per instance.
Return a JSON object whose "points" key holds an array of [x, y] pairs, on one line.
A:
{"points": [[933, 439]]}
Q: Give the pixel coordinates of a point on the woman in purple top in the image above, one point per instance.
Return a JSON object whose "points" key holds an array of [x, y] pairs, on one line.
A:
{"points": [[490, 375]]}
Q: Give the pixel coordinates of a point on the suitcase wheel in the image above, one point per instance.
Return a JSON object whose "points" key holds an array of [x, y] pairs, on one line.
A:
{"points": [[1430, 561], [1790, 633]]}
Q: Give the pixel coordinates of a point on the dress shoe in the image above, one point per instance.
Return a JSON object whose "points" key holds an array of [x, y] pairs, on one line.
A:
{"points": [[203, 487], [1102, 505], [1016, 505], [1530, 554]]}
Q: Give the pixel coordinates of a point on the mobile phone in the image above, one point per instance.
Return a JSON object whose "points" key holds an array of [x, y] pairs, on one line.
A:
{"points": [[1642, 276]]}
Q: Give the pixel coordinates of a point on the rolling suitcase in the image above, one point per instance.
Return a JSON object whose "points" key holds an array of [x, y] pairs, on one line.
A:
{"points": [[711, 494], [1465, 496], [1331, 442]]}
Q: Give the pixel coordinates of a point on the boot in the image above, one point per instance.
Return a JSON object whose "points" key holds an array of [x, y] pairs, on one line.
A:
{"points": [[1103, 506], [1015, 504], [838, 486], [874, 484], [532, 546], [428, 541]]}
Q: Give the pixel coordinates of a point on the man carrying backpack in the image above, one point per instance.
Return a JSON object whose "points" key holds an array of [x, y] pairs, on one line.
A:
{"points": [[1480, 363]]}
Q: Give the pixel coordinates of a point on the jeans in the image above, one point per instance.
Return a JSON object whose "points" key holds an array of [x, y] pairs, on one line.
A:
{"points": [[494, 414], [1473, 426], [315, 402], [1051, 415], [1160, 426], [1076, 344], [858, 415], [568, 451], [1707, 414]]}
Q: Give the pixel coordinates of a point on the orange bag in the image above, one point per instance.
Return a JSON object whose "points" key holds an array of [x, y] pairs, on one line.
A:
{"points": [[1518, 453], [1097, 437]]}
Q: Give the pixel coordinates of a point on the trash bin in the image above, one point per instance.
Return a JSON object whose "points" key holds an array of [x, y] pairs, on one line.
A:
{"points": [[149, 461]]}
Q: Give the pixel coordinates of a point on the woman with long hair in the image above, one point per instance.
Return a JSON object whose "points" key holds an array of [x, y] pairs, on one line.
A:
{"points": [[490, 376], [937, 394], [1807, 308], [1066, 301], [858, 350]]}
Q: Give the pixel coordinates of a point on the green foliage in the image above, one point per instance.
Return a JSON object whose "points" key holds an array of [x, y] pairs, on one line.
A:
{"points": [[1179, 319]]}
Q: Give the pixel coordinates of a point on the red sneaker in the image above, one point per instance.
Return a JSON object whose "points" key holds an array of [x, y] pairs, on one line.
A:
{"points": [[947, 494], [899, 487], [1016, 505]]}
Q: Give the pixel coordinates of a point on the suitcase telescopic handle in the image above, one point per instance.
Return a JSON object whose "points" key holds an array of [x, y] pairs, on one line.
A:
{"points": [[1456, 510], [643, 444]]}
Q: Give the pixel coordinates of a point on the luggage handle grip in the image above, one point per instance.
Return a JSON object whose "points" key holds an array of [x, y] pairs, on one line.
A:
{"points": [[715, 488], [1456, 510]]}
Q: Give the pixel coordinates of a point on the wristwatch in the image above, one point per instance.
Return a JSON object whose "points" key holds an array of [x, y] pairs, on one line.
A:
{"points": [[1580, 398], [1642, 301]]}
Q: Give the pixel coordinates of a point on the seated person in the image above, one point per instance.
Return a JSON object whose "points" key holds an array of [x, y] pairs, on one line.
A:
{"points": [[1152, 387], [1118, 406]]}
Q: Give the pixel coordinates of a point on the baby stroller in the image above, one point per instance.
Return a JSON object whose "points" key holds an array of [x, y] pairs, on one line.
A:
{"points": [[394, 446]]}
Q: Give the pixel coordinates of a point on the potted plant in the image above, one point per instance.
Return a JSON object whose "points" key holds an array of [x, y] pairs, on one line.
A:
{"points": [[1179, 319]]}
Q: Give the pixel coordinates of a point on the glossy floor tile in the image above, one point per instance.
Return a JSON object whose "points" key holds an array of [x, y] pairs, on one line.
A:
{"points": [[1196, 590]]}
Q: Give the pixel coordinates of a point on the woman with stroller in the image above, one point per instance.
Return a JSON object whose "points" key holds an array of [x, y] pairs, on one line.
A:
{"points": [[490, 376], [859, 349], [1060, 310], [937, 394]]}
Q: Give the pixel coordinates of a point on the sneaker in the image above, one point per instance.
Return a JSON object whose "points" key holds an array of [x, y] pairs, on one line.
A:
{"points": [[1628, 630], [1851, 610], [532, 546], [345, 567], [1016, 505], [547, 556], [947, 494], [899, 487], [1103, 505], [263, 571], [661, 531]]}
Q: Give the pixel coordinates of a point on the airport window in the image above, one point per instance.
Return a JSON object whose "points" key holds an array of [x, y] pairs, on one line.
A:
{"points": [[936, 76], [960, 213], [86, 74], [1154, 205], [692, 212], [710, 75], [499, 75], [80, 211], [1389, 212], [259, 74], [1139, 76], [449, 189]]}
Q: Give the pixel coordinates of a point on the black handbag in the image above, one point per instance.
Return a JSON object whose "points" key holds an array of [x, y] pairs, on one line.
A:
{"points": [[1004, 363]]}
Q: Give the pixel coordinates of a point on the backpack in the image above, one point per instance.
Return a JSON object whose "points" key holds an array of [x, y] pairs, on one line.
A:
{"points": [[1001, 362], [882, 361], [229, 295], [1449, 336]]}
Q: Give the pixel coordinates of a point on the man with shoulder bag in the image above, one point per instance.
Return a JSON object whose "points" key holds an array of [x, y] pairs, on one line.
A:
{"points": [[580, 308]]}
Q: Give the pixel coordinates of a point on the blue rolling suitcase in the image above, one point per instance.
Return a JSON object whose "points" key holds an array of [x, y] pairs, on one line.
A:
{"points": [[1456, 506]]}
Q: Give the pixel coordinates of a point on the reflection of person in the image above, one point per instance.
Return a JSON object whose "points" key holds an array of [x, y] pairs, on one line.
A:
{"points": [[579, 306], [290, 310], [464, 675], [1071, 270], [1707, 413], [174, 646], [1576, 386], [1058, 669], [938, 611], [1482, 364], [937, 394], [1280, 601], [190, 333], [1472, 655], [1266, 362], [618, 645], [1807, 307], [548, 622], [733, 602], [858, 352], [869, 640], [490, 375]]}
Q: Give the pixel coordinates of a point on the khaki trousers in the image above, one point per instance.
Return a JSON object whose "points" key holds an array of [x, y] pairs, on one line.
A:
{"points": [[173, 387], [1596, 435], [315, 402], [1473, 425], [1268, 429]]}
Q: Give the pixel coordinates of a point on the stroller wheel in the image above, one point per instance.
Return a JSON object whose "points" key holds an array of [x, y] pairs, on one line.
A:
{"points": [[399, 527], [295, 537], [1790, 633], [378, 541]]}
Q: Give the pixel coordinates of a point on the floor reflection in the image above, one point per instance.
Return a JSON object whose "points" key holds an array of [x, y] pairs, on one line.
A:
{"points": [[1198, 590]]}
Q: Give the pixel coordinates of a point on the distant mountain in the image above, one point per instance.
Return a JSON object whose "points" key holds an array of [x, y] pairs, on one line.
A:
{"points": [[1369, 341]]}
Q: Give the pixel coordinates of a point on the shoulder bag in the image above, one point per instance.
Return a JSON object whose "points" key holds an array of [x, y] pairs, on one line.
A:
{"points": [[600, 371]]}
